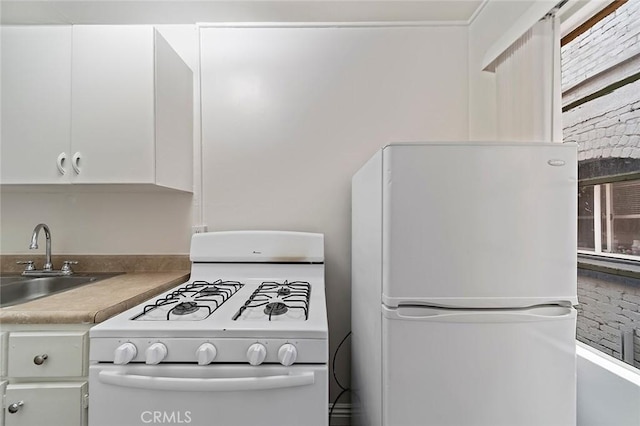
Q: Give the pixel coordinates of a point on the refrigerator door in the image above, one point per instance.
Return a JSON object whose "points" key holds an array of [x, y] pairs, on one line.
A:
{"points": [[479, 368], [479, 225]]}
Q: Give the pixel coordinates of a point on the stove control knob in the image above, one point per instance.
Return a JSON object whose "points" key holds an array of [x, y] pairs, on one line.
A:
{"points": [[206, 353], [125, 353], [287, 354], [156, 353], [256, 354]]}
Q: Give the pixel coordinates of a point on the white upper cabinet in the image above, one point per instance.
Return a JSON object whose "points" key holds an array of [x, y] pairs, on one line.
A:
{"points": [[36, 103], [112, 104], [129, 109]]}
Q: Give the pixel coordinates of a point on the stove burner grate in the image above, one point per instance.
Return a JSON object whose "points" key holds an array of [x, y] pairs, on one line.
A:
{"points": [[279, 298], [193, 297]]}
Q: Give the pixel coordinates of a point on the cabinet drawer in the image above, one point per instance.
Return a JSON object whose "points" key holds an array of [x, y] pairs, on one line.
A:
{"points": [[3, 386], [51, 404], [47, 354]]}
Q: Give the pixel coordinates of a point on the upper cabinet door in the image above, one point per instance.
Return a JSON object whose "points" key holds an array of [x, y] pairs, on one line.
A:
{"points": [[113, 101], [36, 98], [173, 119], [95, 104]]}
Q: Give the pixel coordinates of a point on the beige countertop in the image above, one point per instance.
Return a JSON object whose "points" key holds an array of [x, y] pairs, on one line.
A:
{"points": [[95, 302]]}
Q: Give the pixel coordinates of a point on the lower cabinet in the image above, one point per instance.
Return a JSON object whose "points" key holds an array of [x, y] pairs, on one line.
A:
{"points": [[47, 354], [50, 404], [3, 386], [46, 375]]}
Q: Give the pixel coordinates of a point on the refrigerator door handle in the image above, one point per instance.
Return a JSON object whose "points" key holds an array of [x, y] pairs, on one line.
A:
{"points": [[420, 313]]}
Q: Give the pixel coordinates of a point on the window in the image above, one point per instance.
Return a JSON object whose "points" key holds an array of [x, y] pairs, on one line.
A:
{"points": [[601, 113], [609, 219]]}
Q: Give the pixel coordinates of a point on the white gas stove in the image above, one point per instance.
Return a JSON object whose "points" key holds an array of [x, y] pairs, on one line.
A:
{"points": [[250, 326]]}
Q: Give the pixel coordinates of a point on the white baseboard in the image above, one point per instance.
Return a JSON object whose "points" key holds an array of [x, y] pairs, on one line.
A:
{"points": [[341, 415]]}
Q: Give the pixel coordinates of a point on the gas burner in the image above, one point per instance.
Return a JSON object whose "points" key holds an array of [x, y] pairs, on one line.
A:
{"points": [[209, 291], [286, 301], [284, 291], [194, 301], [275, 308], [185, 308]]}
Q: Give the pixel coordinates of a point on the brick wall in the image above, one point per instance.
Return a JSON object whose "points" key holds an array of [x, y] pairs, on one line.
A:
{"points": [[608, 126], [607, 308], [605, 43]]}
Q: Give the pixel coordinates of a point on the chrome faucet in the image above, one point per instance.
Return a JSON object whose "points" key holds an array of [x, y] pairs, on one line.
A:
{"points": [[48, 266], [47, 270]]}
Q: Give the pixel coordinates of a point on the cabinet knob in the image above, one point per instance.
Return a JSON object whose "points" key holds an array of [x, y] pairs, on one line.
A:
{"points": [[15, 407], [40, 359]]}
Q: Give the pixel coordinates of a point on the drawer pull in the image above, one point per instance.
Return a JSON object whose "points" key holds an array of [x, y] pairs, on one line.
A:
{"points": [[15, 407], [40, 359]]}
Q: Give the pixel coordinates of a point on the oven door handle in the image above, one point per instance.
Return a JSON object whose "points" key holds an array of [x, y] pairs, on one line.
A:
{"points": [[206, 385]]}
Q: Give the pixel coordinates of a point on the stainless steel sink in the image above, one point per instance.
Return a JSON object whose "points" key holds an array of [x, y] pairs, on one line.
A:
{"points": [[18, 289]]}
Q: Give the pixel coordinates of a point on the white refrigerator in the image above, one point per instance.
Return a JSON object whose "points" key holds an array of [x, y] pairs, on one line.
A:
{"points": [[463, 285]]}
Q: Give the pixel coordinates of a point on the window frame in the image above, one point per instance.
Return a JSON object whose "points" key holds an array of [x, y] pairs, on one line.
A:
{"points": [[600, 184]]}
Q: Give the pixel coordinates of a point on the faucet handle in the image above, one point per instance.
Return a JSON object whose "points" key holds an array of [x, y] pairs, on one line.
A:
{"points": [[66, 266], [30, 266]]}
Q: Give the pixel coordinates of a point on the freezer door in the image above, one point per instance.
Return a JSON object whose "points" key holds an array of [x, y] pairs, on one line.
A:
{"points": [[479, 225], [479, 368]]}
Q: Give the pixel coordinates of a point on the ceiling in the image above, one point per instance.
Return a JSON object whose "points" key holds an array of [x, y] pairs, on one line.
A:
{"points": [[190, 12]]}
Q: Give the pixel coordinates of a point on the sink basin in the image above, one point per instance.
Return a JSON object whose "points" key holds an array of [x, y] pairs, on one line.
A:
{"points": [[19, 289]]}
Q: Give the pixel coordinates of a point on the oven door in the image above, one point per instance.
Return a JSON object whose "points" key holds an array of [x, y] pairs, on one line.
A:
{"points": [[218, 394]]}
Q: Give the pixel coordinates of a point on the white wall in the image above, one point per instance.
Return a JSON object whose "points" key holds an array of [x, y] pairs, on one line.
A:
{"points": [[89, 220], [97, 222], [290, 114]]}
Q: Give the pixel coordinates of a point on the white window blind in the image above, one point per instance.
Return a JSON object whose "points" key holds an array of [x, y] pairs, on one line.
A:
{"points": [[528, 90]]}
